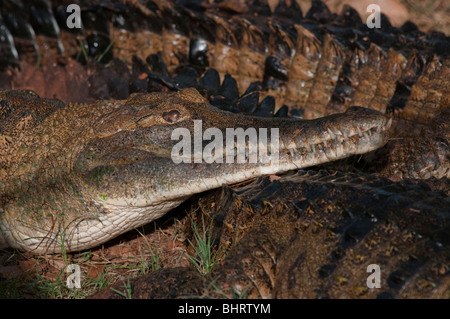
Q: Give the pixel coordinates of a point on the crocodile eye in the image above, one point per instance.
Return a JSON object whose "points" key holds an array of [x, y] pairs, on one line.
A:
{"points": [[171, 116]]}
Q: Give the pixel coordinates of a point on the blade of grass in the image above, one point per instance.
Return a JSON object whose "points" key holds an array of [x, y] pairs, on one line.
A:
{"points": [[203, 248]]}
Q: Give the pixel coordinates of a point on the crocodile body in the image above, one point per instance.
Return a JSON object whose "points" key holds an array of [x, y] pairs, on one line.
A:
{"points": [[320, 63], [312, 234]]}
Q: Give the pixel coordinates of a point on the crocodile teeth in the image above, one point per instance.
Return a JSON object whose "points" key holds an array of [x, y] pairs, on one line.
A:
{"points": [[345, 136], [378, 129], [359, 131], [331, 134], [325, 143], [366, 136]]}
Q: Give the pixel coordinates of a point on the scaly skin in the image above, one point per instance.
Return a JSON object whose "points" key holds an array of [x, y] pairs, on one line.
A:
{"points": [[312, 234], [78, 175]]}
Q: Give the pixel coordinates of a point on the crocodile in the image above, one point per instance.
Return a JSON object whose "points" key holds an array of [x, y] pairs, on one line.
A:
{"points": [[74, 176], [318, 63], [313, 234]]}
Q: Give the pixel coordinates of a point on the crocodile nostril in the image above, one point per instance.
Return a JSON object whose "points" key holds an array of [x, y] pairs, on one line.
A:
{"points": [[171, 116]]}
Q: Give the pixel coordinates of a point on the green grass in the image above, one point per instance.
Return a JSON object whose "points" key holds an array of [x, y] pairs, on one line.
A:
{"points": [[127, 293], [205, 258], [85, 55], [151, 249]]}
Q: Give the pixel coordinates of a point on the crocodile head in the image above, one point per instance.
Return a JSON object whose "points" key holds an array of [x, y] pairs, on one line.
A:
{"points": [[132, 164], [150, 153]]}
